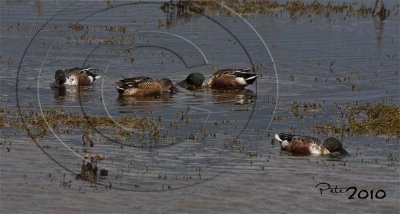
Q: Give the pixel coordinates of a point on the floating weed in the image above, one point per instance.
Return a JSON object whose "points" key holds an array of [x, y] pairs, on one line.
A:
{"points": [[116, 28], [64, 121], [129, 53], [379, 119], [279, 118], [76, 26], [10, 61], [103, 172], [294, 8], [252, 154], [4, 122], [89, 167], [392, 158], [296, 107]]}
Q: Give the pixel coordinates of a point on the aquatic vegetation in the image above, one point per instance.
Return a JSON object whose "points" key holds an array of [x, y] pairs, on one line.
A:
{"points": [[77, 27], [127, 130], [383, 13], [86, 140], [3, 121], [380, 119], [6, 122], [103, 172], [89, 167], [296, 107], [116, 28], [63, 121], [352, 119], [294, 8]]}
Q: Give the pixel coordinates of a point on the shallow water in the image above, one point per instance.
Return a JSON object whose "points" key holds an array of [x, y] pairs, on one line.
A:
{"points": [[215, 153]]}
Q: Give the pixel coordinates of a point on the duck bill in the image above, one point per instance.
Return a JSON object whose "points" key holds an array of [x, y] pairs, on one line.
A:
{"points": [[55, 84], [344, 153], [173, 90], [182, 83]]}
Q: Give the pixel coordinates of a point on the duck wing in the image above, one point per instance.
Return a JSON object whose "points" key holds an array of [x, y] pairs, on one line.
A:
{"points": [[287, 139], [73, 71], [88, 71], [241, 75], [135, 82]]}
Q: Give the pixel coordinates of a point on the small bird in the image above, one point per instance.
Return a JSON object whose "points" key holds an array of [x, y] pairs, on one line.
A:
{"points": [[75, 76], [144, 87], [304, 145], [230, 78]]}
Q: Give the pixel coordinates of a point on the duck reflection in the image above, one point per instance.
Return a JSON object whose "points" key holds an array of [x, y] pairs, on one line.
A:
{"points": [[179, 10], [74, 94], [239, 97], [59, 92], [143, 101]]}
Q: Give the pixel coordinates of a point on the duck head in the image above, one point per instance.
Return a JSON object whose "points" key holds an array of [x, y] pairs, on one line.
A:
{"points": [[334, 146], [193, 80], [60, 78], [167, 85]]}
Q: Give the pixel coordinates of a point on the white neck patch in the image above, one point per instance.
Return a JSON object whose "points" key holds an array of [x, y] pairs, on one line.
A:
{"points": [[241, 80], [72, 80]]}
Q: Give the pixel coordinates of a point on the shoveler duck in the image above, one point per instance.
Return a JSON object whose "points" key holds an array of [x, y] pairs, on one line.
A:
{"points": [[304, 145], [193, 81], [75, 76], [230, 78], [144, 87]]}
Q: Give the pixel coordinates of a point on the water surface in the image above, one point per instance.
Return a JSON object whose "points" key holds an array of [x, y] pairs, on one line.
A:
{"points": [[216, 153]]}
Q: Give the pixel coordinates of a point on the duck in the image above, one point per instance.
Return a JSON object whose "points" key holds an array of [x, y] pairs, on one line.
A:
{"points": [[75, 76], [144, 87], [305, 145], [229, 78], [193, 81]]}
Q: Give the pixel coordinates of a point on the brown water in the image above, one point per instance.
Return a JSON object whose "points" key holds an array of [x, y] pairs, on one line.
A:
{"points": [[219, 156]]}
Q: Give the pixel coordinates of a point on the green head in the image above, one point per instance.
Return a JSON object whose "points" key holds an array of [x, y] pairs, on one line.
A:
{"points": [[195, 79], [60, 77], [334, 145]]}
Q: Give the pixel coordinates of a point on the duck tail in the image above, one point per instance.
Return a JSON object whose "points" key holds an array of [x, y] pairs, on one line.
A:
{"points": [[88, 72], [282, 137], [247, 69], [250, 78], [245, 77], [278, 138], [120, 87], [97, 77]]}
